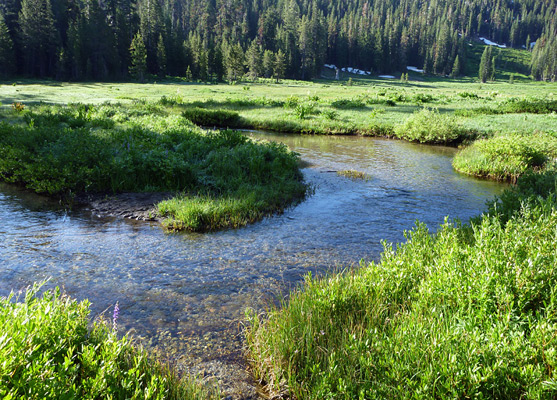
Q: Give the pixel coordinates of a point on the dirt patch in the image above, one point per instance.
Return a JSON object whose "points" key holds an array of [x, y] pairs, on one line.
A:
{"points": [[137, 206]]}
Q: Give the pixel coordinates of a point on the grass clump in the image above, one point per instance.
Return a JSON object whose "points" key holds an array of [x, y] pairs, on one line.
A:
{"points": [[467, 312], [353, 174], [249, 181], [348, 103], [142, 148], [506, 157], [430, 126], [49, 350], [220, 118], [514, 106]]}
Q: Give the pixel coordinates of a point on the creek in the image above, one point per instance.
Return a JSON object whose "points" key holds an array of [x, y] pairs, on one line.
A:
{"points": [[186, 293]]}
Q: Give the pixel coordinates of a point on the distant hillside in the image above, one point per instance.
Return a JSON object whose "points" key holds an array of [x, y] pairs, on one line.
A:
{"points": [[224, 39]]}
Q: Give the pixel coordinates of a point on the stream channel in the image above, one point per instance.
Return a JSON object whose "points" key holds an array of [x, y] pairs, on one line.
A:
{"points": [[186, 293]]}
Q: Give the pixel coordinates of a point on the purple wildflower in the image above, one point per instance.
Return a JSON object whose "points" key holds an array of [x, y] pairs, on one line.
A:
{"points": [[115, 316]]}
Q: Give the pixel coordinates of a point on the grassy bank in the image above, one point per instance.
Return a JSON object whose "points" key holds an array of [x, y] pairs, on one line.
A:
{"points": [[50, 350], [364, 105], [506, 157], [146, 147], [467, 312]]}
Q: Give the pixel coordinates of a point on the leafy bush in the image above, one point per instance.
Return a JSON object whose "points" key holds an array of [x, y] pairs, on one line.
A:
{"points": [[149, 152], [330, 114], [468, 95], [291, 102], [506, 157], [171, 100], [348, 103], [302, 110], [429, 126], [534, 106], [530, 188], [423, 98], [468, 312], [517, 106], [220, 118], [48, 351]]}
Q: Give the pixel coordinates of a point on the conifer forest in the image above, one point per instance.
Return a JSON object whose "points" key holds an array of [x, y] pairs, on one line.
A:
{"points": [[225, 39]]}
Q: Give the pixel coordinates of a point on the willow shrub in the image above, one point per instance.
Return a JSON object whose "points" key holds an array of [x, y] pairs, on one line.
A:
{"points": [[49, 350], [430, 126], [507, 157], [467, 312]]}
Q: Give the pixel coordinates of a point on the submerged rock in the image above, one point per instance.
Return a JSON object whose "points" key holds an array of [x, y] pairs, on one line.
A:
{"points": [[137, 206]]}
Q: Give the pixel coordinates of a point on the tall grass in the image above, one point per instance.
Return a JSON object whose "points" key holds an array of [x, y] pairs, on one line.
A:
{"points": [[467, 312], [143, 147], [50, 350], [430, 126], [506, 157]]}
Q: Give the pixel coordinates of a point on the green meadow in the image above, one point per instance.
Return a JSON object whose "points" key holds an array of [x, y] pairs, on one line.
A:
{"points": [[467, 312]]}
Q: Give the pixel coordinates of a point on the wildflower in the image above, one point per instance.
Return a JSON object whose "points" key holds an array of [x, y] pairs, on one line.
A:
{"points": [[115, 316]]}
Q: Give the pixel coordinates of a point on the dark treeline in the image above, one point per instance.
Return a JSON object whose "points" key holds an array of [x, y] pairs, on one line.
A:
{"points": [[224, 39]]}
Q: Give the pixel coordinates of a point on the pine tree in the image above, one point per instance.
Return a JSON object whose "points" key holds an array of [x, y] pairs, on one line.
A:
{"points": [[268, 64], [492, 70], [280, 65], [38, 37], [456, 68], [254, 60], [7, 56], [138, 57], [486, 68], [234, 62], [161, 57]]}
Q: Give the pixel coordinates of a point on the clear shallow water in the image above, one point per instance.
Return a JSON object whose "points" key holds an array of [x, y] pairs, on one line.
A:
{"points": [[187, 293]]}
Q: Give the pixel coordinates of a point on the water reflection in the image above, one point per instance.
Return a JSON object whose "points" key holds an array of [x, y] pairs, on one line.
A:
{"points": [[187, 292]]}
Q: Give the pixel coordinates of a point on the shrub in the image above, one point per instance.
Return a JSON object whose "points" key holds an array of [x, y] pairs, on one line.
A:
{"points": [[302, 110], [291, 102], [429, 126], [348, 103], [534, 106], [49, 350], [330, 114], [468, 95], [151, 152], [506, 157], [220, 118], [467, 312]]}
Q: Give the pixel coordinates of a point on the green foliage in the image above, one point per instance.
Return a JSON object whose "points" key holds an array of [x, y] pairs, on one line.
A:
{"points": [[251, 179], [210, 118], [487, 65], [506, 157], [529, 105], [138, 55], [302, 110], [530, 188], [430, 126], [7, 55], [348, 103], [468, 95], [86, 39], [81, 148], [291, 102], [467, 312], [49, 350]]}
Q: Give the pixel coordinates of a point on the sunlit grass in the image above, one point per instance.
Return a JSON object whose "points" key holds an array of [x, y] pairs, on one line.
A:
{"points": [[148, 147], [49, 349], [467, 312]]}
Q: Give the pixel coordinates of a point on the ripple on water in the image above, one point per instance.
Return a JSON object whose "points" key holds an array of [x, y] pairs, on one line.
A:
{"points": [[187, 293]]}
